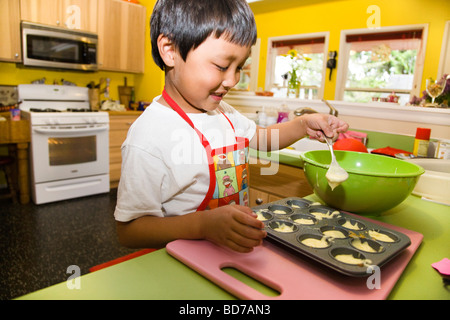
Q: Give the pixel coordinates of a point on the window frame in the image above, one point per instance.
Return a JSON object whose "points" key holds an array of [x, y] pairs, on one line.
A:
{"points": [[444, 61], [270, 65], [254, 55], [344, 54]]}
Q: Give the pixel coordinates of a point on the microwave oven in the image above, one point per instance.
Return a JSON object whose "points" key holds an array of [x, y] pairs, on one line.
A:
{"points": [[61, 48]]}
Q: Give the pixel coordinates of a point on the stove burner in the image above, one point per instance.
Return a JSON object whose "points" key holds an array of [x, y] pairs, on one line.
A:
{"points": [[80, 110], [55, 110], [44, 110]]}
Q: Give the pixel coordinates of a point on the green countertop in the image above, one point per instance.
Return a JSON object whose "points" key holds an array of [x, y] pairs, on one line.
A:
{"points": [[157, 275]]}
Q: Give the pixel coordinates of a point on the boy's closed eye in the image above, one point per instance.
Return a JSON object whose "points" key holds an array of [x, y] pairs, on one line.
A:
{"points": [[223, 69]]}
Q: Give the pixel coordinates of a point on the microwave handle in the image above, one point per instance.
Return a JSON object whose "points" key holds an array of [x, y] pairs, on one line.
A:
{"points": [[70, 130]]}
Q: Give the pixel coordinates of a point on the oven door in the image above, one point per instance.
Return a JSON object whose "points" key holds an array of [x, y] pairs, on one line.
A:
{"points": [[69, 151]]}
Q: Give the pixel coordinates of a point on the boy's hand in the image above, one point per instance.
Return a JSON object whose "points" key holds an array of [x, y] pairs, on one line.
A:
{"points": [[233, 226], [317, 124]]}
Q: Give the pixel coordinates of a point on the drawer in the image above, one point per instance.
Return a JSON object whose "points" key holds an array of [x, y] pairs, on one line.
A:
{"points": [[121, 122], [117, 137]]}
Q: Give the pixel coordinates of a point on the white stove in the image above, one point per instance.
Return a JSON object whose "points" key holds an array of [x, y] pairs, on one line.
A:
{"points": [[69, 142]]}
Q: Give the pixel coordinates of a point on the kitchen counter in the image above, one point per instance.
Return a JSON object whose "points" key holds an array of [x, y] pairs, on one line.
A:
{"points": [[158, 275], [125, 113]]}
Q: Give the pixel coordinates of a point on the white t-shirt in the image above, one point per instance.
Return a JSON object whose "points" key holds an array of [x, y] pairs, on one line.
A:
{"points": [[164, 165]]}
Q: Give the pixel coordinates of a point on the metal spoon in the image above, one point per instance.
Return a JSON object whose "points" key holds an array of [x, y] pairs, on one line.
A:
{"points": [[335, 174]]}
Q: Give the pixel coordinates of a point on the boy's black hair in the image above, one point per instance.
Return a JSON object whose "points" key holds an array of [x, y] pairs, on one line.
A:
{"points": [[190, 22]]}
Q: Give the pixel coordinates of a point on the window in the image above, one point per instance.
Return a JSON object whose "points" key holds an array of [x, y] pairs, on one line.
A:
{"points": [[375, 63], [313, 47], [249, 74], [444, 62]]}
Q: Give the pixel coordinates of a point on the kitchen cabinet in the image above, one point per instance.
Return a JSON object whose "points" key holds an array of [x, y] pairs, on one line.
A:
{"points": [[10, 31], [258, 197], [288, 181], [121, 32], [119, 123], [72, 14], [16, 135]]}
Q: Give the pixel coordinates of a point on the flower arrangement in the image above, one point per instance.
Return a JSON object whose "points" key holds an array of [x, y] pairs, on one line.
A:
{"points": [[443, 100], [296, 63]]}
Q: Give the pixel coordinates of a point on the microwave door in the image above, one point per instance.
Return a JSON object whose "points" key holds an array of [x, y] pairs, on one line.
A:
{"points": [[53, 49], [46, 48]]}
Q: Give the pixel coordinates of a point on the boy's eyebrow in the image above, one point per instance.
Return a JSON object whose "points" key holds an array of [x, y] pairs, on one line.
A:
{"points": [[231, 57]]}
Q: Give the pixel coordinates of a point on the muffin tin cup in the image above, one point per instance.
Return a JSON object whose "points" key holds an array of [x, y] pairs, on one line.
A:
{"points": [[334, 238]]}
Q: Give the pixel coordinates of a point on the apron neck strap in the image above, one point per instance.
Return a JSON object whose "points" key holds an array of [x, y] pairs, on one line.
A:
{"points": [[176, 108], [183, 114]]}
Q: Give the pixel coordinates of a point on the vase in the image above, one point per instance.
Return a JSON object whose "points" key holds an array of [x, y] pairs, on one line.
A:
{"points": [[293, 90]]}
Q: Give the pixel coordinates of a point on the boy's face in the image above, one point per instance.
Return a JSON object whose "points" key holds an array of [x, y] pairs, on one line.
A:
{"points": [[209, 72]]}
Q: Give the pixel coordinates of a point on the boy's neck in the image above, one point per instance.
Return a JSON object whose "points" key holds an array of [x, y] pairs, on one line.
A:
{"points": [[180, 101]]}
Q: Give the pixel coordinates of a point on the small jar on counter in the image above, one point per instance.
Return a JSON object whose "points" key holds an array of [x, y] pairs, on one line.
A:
{"points": [[421, 142]]}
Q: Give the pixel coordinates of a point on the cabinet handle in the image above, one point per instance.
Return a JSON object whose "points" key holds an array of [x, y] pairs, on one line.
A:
{"points": [[259, 201]]}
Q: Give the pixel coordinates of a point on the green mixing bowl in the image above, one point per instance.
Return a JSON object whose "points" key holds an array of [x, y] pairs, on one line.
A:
{"points": [[375, 184]]}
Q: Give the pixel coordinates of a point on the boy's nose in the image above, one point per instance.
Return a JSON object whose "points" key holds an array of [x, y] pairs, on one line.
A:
{"points": [[231, 79]]}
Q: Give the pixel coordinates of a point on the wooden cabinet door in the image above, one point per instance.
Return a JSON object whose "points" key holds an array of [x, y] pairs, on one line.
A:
{"points": [[71, 14], [258, 197], [41, 11], [10, 49], [118, 129], [121, 31], [80, 14]]}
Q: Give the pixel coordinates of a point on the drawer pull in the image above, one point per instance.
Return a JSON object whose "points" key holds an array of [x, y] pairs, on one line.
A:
{"points": [[259, 201]]}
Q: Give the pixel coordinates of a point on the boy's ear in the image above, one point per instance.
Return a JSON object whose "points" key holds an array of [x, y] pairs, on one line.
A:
{"points": [[166, 50]]}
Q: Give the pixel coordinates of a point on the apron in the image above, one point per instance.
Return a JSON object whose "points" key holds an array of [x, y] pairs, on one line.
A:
{"points": [[228, 167]]}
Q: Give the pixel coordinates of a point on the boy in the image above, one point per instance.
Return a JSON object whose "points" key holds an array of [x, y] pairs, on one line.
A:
{"points": [[185, 158]]}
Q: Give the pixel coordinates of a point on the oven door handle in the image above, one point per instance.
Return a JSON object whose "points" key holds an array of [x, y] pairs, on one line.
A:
{"points": [[70, 130]]}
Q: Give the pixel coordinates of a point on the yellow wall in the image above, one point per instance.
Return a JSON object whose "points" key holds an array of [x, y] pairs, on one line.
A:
{"points": [[151, 83], [337, 15], [332, 16], [10, 74], [147, 85]]}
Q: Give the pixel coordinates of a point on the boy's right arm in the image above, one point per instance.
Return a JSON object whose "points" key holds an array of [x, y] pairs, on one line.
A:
{"points": [[232, 226]]}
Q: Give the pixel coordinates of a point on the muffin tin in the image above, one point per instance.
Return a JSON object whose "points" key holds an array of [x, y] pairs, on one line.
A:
{"points": [[332, 237]]}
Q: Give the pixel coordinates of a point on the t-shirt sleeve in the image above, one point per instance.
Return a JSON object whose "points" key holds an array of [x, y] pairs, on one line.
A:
{"points": [[139, 191]]}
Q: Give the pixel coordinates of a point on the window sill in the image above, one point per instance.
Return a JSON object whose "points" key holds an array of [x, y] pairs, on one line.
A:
{"points": [[377, 110]]}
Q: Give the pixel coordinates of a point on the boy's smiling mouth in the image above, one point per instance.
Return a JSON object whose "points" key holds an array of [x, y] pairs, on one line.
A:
{"points": [[218, 95]]}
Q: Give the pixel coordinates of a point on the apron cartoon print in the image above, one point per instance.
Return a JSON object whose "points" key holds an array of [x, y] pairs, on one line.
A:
{"points": [[231, 171], [228, 167]]}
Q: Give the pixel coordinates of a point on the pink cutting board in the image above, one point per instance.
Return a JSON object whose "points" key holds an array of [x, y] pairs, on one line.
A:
{"points": [[294, 276]]}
